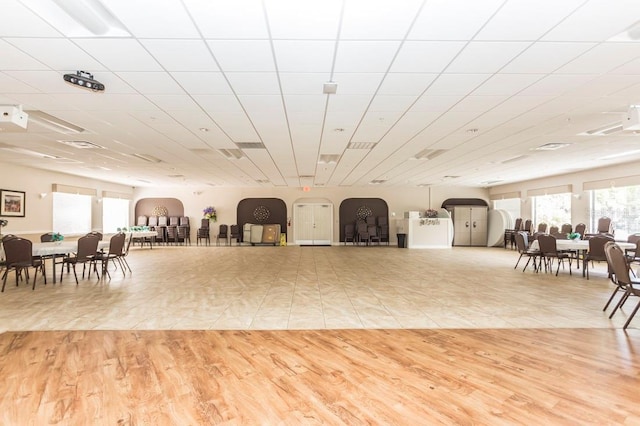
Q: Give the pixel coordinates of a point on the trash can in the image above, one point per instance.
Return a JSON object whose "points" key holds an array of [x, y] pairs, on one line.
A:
{"points": [[402, 240]]}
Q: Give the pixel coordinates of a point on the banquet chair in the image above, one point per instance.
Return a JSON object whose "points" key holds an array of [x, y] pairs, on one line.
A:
{"points": [[142, 221], [18, 253], [542, 227], [553, 230], [620, 269], [203, 232], [566, 228], [116, 247], [581, 228], [527, 226], [349, 233], [234, 234], [223, 233], [596, 252], [549, 251], [182, 234], [47, 238], [518, 224], [372, 230], [86, 253], [384, 233], [362, 234], [605, 226], [522, 245]]}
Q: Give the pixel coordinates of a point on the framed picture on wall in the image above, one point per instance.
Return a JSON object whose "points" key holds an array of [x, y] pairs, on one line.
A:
{"points": [[11, 203]]}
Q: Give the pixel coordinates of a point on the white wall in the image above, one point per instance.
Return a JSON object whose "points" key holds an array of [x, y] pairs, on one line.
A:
{"points": [[39, 211], [225, 200]]}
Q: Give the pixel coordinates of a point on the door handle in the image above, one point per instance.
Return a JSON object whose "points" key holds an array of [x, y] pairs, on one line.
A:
{"points": [[466, 224], [474, 224]]}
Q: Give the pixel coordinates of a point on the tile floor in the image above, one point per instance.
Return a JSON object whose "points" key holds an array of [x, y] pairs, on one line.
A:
{"points": [[314, 288]]}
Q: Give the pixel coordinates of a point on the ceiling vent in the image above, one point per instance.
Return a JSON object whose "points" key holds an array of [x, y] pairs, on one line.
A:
{"points": [[262, 180], [514, 159], [428, 154], [329, 158], [605, 130], [362, 145], [231, 154], [53, 123], [82, 144], [552, 146], [250, 145], [377, 181]]}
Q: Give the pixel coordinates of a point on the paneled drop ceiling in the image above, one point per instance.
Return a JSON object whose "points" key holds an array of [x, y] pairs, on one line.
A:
{"points": [[230, 93]]}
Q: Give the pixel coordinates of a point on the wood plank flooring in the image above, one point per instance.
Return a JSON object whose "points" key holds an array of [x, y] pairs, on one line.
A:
{"points": [[408, 377]]}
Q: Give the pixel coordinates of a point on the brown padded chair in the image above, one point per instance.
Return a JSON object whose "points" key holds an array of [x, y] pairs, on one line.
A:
{"points": [[86, 253], [522, 244], [553, 230], [223, 234], [596, 252], [549, 251], [542, 227], [566, 228], [605, 225], [203, 232], [620, 270], [581, 229], [349, 233], [18, 253], [518, 224], [116, 248], [234, 233], [527, 226]]}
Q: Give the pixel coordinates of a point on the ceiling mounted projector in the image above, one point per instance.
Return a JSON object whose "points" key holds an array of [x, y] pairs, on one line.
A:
{"points": [[84, 79]]}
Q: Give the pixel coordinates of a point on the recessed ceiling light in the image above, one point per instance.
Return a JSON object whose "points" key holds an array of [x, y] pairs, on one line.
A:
{"points": [[329, 88], [473, 130], [204, 129], [552, 146], [338, 130]]}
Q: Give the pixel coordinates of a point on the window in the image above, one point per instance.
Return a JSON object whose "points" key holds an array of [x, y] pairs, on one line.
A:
{"points": [[552, 209], [115, 214], [512, 205], [71, 213], [621, 204]]}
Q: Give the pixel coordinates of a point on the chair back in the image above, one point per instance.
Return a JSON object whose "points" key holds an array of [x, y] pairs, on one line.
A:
{"points": [[518, 224], [204, 223], [542, 227], [153, 220], [87, 247], [96, 234], [383, 220], [566, 228], [234, 231], [142, 221], [547, 244], [527, 226], [184, 221], [116, 244], [604, 225], [581, 228], [46, 238], [8, 237], [174, 221], [617, 263], [223, 231], [596, 247], [522, 241], [554, 230], [17, 251], [633, 238], [162, 221], [372, 230]]}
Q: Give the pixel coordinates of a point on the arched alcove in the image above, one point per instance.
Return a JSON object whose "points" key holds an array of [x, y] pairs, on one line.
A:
{"points": [[352, 209]]}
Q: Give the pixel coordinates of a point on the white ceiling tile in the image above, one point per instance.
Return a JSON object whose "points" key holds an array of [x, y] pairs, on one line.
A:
{"points": [[154, 18], [305, 108], [452, 19], [292, 19], [303, 83], [202, 83], [13, 59], [219, 103], [392, 103], [47, 81], [478, 103], [506, 84], [152, 83], [426, 56], [606, 85], [357, 83], [57, 53], [365, 56], [181, 55], [631, 67], [485, 57], [555, 85], [602, 58], [254, 83], [236, 125], [378, 19], [304, 55], [256, 55], [18, 21], [405, 83], [119, 54], [174, 102], [526, 20], [456, 84], [239, 19], [9, 84], [596, 20], [545, 57], [437, 104]]}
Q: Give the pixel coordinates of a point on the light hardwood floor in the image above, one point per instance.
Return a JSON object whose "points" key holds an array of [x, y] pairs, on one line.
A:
{"points": [[318, 335]]}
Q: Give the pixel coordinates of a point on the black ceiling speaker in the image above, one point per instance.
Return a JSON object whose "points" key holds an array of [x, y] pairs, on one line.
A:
{"points": [[84, 79]]}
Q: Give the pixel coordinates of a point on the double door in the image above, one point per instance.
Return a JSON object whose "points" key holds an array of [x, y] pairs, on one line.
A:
{"points": [[313, 223], [469, 226]]}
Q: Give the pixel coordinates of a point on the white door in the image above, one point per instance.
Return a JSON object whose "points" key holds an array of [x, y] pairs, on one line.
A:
{"points": [[313, 224], [462, 226], [478, 226]]}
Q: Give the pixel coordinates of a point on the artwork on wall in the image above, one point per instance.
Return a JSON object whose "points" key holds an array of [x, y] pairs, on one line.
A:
{"points": [[11, 203]]}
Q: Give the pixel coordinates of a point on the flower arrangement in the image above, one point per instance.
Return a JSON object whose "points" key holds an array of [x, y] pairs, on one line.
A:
{"points": [[573, 236], [57, 237], [210, 213], [431, 213]]}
